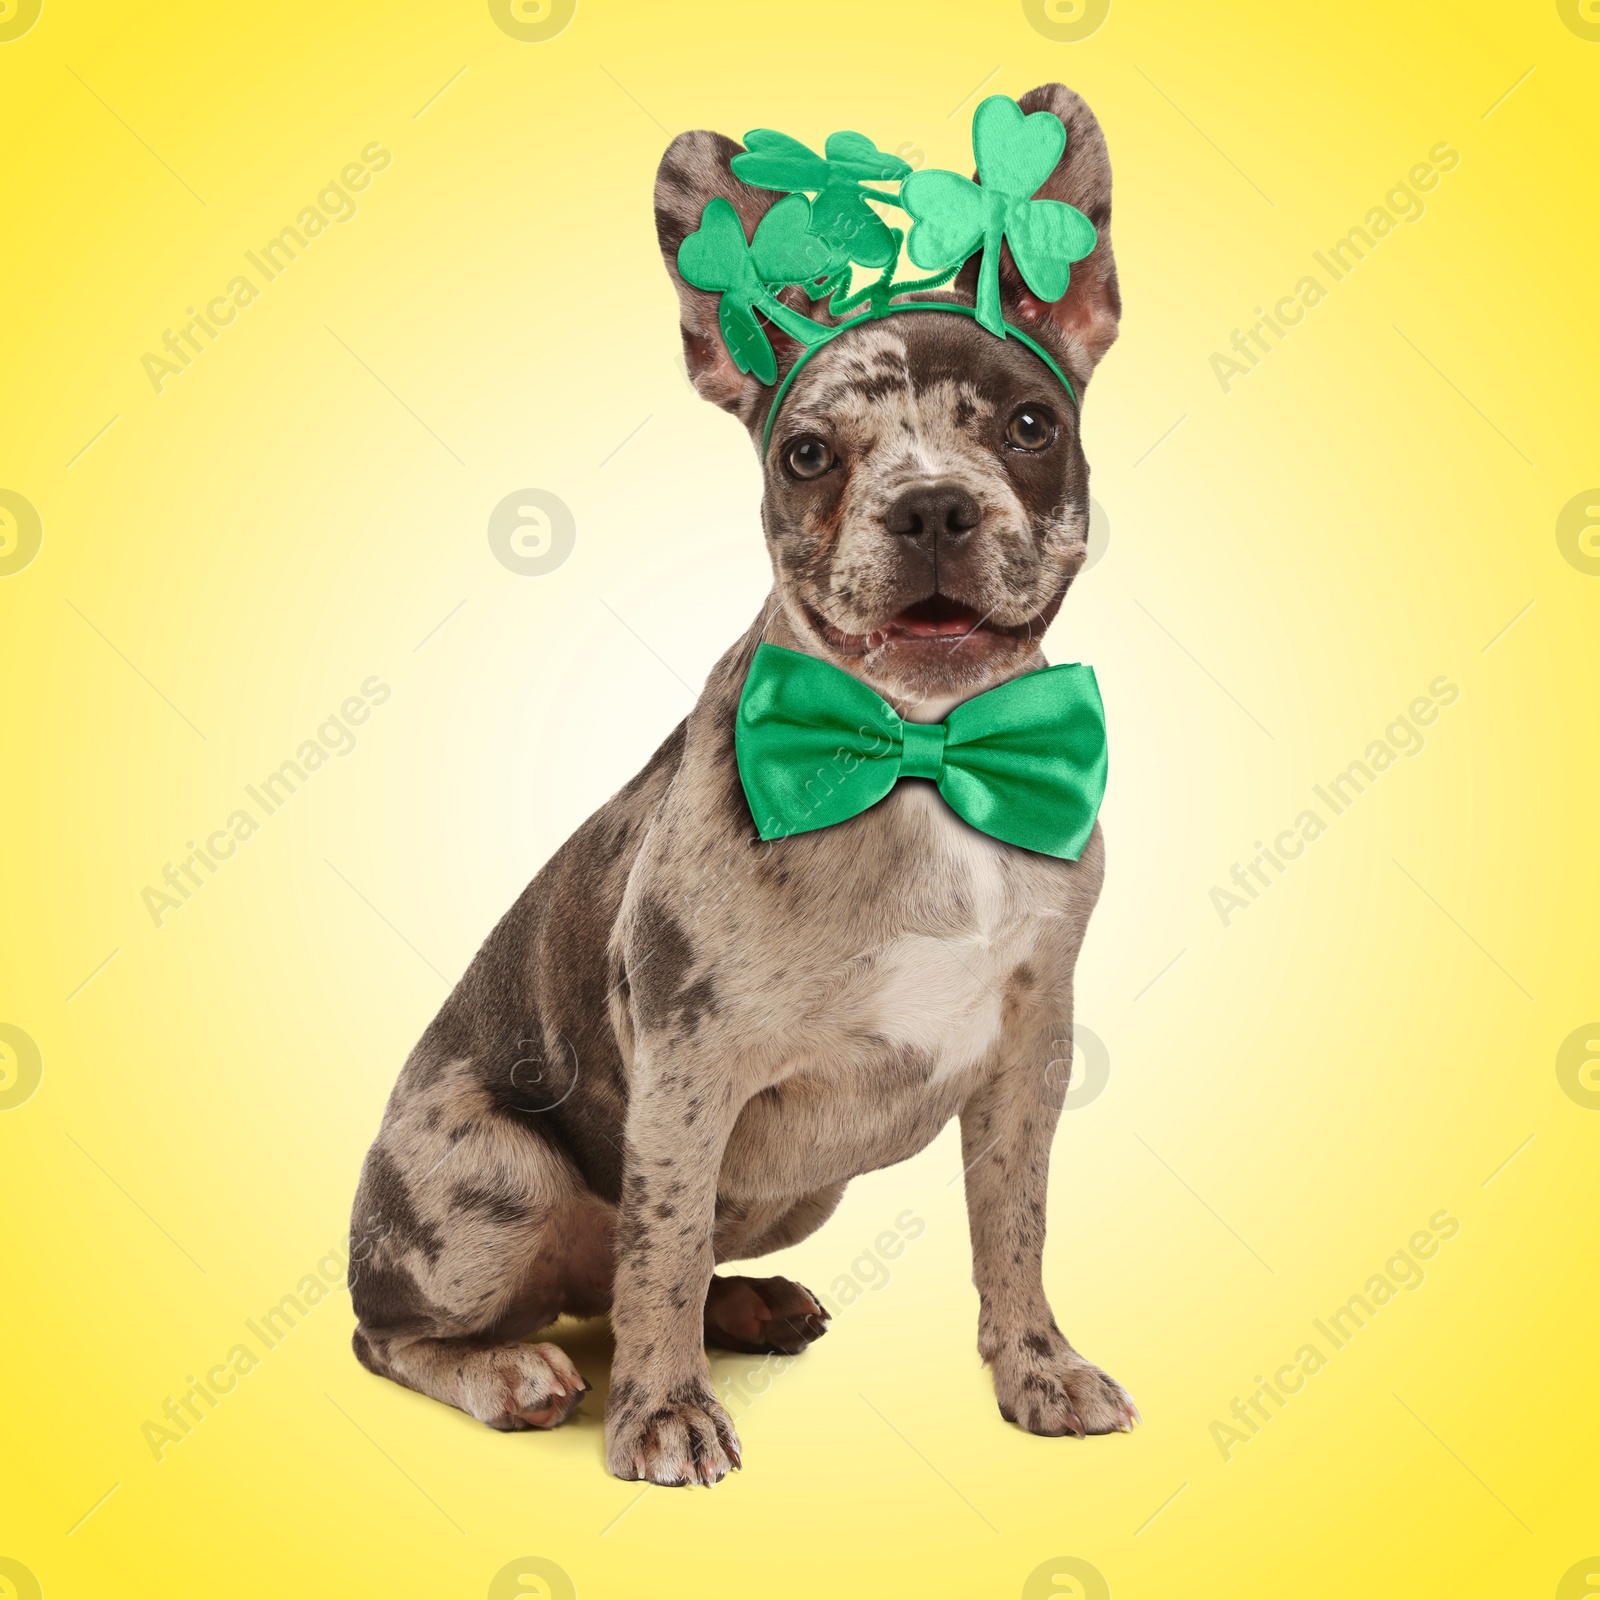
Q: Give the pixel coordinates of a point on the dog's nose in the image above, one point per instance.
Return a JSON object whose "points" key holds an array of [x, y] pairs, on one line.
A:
{"points": [[934, 511]]}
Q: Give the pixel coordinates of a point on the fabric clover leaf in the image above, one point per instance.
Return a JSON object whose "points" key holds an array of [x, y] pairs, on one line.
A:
{"points": [[716, 257], [953, 216], [814, 243], [785, 249], [840, 214]]}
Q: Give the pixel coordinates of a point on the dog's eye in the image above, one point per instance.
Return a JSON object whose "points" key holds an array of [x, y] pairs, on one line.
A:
{"points": [[1030, 428], [809, 458]]}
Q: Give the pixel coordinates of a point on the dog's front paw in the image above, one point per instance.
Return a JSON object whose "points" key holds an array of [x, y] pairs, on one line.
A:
{"points": [[1045, 1386], [676, 1436]]}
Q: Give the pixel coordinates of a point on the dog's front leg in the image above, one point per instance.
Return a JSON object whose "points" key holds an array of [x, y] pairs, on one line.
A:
{"points": [[663, 1421], [1040, 1381]]}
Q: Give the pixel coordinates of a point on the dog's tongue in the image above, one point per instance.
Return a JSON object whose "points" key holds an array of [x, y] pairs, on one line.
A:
{"points": [[936, 617]]}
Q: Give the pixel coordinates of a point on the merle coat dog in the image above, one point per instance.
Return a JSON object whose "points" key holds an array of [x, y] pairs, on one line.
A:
{"points": [[681, 1043]]}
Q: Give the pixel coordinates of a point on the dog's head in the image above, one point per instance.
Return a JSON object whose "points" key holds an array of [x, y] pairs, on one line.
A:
{"points": [[926, 495]]}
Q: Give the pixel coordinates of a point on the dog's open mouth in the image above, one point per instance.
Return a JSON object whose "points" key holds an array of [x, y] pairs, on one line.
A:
{"points": [[938, 621]]}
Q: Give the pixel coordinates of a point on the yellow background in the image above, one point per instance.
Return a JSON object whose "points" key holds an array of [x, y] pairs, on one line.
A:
{"points": [[1371, 1041]]}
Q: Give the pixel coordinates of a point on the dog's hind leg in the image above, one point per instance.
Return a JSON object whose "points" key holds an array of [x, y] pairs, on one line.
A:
{"points": [[466, 1235], [757, 1315], [508, 1386]]}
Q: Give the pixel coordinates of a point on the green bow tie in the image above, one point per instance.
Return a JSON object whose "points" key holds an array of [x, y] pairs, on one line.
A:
{"points": [[1025, 763]]}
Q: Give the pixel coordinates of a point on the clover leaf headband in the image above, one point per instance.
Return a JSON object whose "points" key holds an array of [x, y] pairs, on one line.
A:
{"points": [[816, 243]]}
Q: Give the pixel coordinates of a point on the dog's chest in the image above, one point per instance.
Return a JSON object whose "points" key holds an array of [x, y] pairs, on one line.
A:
{"points": [[883, 1020], [954, 935], [939, 991]]}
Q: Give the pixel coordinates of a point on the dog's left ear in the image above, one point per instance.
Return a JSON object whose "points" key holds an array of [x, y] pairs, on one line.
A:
{"points": [[1081, 326]]}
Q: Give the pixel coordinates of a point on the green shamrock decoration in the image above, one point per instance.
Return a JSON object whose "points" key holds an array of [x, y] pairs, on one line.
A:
{"points": [[783, 251], [952, 216], [839, 213], [814, 243]]}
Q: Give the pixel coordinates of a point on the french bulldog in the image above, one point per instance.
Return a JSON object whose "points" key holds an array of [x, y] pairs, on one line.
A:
{"points": [[682, 1042]]}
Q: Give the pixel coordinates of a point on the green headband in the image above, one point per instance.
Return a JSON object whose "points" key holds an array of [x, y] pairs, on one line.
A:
{"points": [[915, 305], [816, 243]]}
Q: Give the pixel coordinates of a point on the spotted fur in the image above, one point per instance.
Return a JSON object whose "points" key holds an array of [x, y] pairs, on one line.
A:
{"points": [[681, 1043]]}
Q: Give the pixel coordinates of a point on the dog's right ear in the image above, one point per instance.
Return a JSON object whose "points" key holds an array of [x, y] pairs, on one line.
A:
{"points": [[696, 170]]}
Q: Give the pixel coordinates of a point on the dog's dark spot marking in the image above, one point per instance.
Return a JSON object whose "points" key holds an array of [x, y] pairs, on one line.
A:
{"points": [[912, 1068], [664, 960], [666, 1209], [385, 1198], [661, 990], [628, 1232], [1037, 1343], [697, 1001], [497, 1207], [388, 1299]]}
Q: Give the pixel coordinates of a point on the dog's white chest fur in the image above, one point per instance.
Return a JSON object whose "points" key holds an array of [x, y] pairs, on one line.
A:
{"points": [[941, 992]]}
